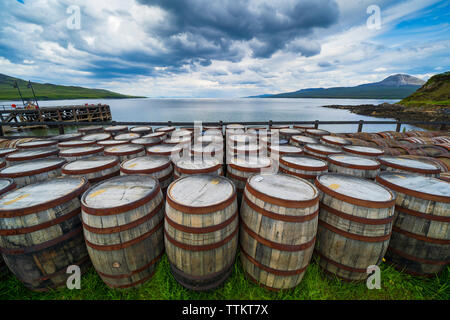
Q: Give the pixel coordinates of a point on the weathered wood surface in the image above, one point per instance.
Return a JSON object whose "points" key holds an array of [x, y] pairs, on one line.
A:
{"points": [[67, 137], [300, 141], [287, 133], [420, 241], [41, 234], [30, 155], [168, 150], [201, 230], [125, 151], [116, 130], [127, 136], [244, 149], [166, 130], [355, 224], [94, 169], [363, 151], [75, 144], [37, 144], [303, 127], [320, 151], [279, 216], [5, 151], [190, 166], [281, 150], [91, 130], [304, 167], [147, 142], [81, 153], [354, 165], [123, 226], [405, 165], [235, 139], [142, 130], [334, 141], [179, 141], [181, 133], [162, 135], [316, 133], [6, 185], [111, 143], [97, 137], [26, 173]]}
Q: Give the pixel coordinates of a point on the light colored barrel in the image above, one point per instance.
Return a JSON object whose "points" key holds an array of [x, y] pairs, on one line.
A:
{"points": [[334, 141], [123, 225], [304, 167], [41, 233], [81, 153], [316, 133], [26, 173], [111, 143], [201, 230], [167, 150], [75, 144], [94, 169], [354, 166], [279, 216], [300, 141], [303, 127], [268, 141], [183, 142], [245, 150], [420, 242], [355, 224], [320, 151], [147, 142], [282, 150], [159, 167], [142, 130], [279, 126], [235, 139], [190, 166], [127, 136], [166, 130], [288, 133], [31, 155], [116, 130], [162, 135], [5, 151], [37, 144], [208, 151], [67, 137], [362, 151], [125, 151], [90, 129], [2, 163], [182, 133], [97, 137], [6, 185], [399, 164], [214, 139]]}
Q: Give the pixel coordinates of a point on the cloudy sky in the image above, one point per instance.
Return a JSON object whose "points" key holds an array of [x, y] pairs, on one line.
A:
{"points": [[221, 48]]}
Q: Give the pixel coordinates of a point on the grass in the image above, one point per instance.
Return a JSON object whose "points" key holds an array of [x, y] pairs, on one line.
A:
{"points": [[315, 285]]}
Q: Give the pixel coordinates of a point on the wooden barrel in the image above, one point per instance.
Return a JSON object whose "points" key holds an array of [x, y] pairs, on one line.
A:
{"points": [[359, 142], [280, 150], [2, 163], [67, 137], [111, 143], [235, 139], [420, 242], [244, 150], [433, 151], [415, 133], [279, 216], [125, 151], [183, 142], [75, 144], [166, 130], [364, 135], [334, 141], [271, 140], [94, 169], [445, 176], [440, 164], [31, 155], [279, 126], [355, 224], [5, 151], [368, 152], [159, 167], [201, 230], [142, 130], [41, 233], [441, 140], [320, 151], [211, 139], [37, 144], [26, 173], [393, 135], [303, 127], [90, 129], [317, 133], [288, 133], [208, 151], [354, 166], [303, 166], [127, 136], [190, 166], [161, 135], [116, 130], [418, 140], [81, 153], [6, 185], [400, 164], [394, 151], [147, 142], [167, 150], [96, 137], [123, 226], [300, 141], [182, 133]]}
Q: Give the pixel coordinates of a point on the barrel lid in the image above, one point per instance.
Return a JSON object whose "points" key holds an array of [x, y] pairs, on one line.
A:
{"points": [[409, 164], [141, 129], [67, 137], [30, 154], [146, 141], [90, 164], [318, 132], [165, 129], [416, 185], [336, 140], [201, 191], [192, 165], [355, 190], [354, 162], [235, 126], [96, 136], [145, 164], [362, 150], [31, 168], [6, 185], [250, 163], [41, 196], [109, 143], [242, 138], [154, 135], [127, 136], [303, 162], [124, 149], [76, 143], [283, 190], [290, 131], [164, 149], [178, 140], [181, 133], [74, 152], [321, 148], [209, 148], [119, 194], [305, 139], [210, 139], [36, 144], [90, 128], [243, 148], [285, 149], [115, 128], [5, 151]]}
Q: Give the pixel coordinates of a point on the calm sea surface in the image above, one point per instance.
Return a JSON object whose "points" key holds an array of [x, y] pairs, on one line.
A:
{"points": [[232, 110]]}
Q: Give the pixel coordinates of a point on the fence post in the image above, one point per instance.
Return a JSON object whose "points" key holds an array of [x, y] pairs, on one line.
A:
{"points": [[399, 125], [270, 124], [316, 124], [1, 131], [360, 125]]}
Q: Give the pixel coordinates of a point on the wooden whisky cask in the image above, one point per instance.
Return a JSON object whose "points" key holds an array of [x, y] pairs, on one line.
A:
{"points": [[31, 155], [111, 143], [125, 151], [303, 127], [90, 130], [400, 164], [67, 137], [37, 144], [334, 141], [183, 142], [166, 130], [362, 151], [281, 150], [6, 185], [320, 151], [65, 145], [300, 141], [355, 224], [268, 141], [123, 227], [190, 166], [420, 242], [5, 151], [2, 163], [288, 133], [147, 142], [279, 216], [81, 153], [279, 126], [316, 133], [201, 230], [354, 166], [41, 233], [244, 150], [182, 133], [97, 137], [168, 150], [26, 173], [116, 130], [304, 167], [94, 169], [127, 136], [235, 139], [142, 130], [161, 135]]}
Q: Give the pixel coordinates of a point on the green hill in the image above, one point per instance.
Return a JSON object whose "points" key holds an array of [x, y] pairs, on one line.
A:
{"points": [[435, 92], [47, 91]]}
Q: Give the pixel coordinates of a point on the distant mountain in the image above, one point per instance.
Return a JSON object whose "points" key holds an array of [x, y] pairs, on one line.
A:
{"points": [[47, 91], [435, 92], [396, 86]]}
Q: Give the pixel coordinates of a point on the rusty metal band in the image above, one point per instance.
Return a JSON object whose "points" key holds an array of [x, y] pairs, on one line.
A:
{"points": [[45, 225], [355, 201], [420, 195], [284, 273], [420, 237], [417, 259], [64, 270], [73, 233], [91, 170], [123, 245], [145, 171], [11, 157], [233, 176], [203, 230], [206, 247], [300, 175], [129, 275], [275, 245], [277, 216], [98, 149], [119, 209], [352, 235], [46, 205], [305, 168], [42, 145], [353, 166], [33, 172], [125, 227], [195, 171], [12, 185], [102, 178], [418, 170], [350, 217], [298, 204], [362, 153], [340, 266], [422, 215]]}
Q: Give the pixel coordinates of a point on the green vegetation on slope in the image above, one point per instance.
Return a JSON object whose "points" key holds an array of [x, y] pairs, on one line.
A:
{"points": [[48, 91], [436, 92]]}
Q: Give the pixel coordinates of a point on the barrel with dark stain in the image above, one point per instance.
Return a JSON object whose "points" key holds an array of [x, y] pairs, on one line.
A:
{"points": [[304, 167], [142, 130], [354, 166], [420, 242], [355, 224], [123, 226], [6, 185], [41, 233], [400, 164], [201, 230], [94, 169], [279, 216], [125, 151], [81, 153], [31, 155]]}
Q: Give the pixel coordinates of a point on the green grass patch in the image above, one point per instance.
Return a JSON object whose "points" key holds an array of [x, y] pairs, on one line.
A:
{"points": [[395, 285]]}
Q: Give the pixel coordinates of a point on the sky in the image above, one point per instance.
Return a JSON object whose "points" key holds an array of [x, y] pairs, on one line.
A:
{"points": [[221, 48]]}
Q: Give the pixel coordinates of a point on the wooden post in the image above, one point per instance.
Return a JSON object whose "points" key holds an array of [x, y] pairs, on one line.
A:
{"points": [[316, 124], [360, 125], [1, 131], [61, 129], [270, 124], [399, 125]]}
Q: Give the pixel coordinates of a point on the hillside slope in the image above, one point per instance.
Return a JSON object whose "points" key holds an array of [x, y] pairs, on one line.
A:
{"points": [[435, 92]]}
